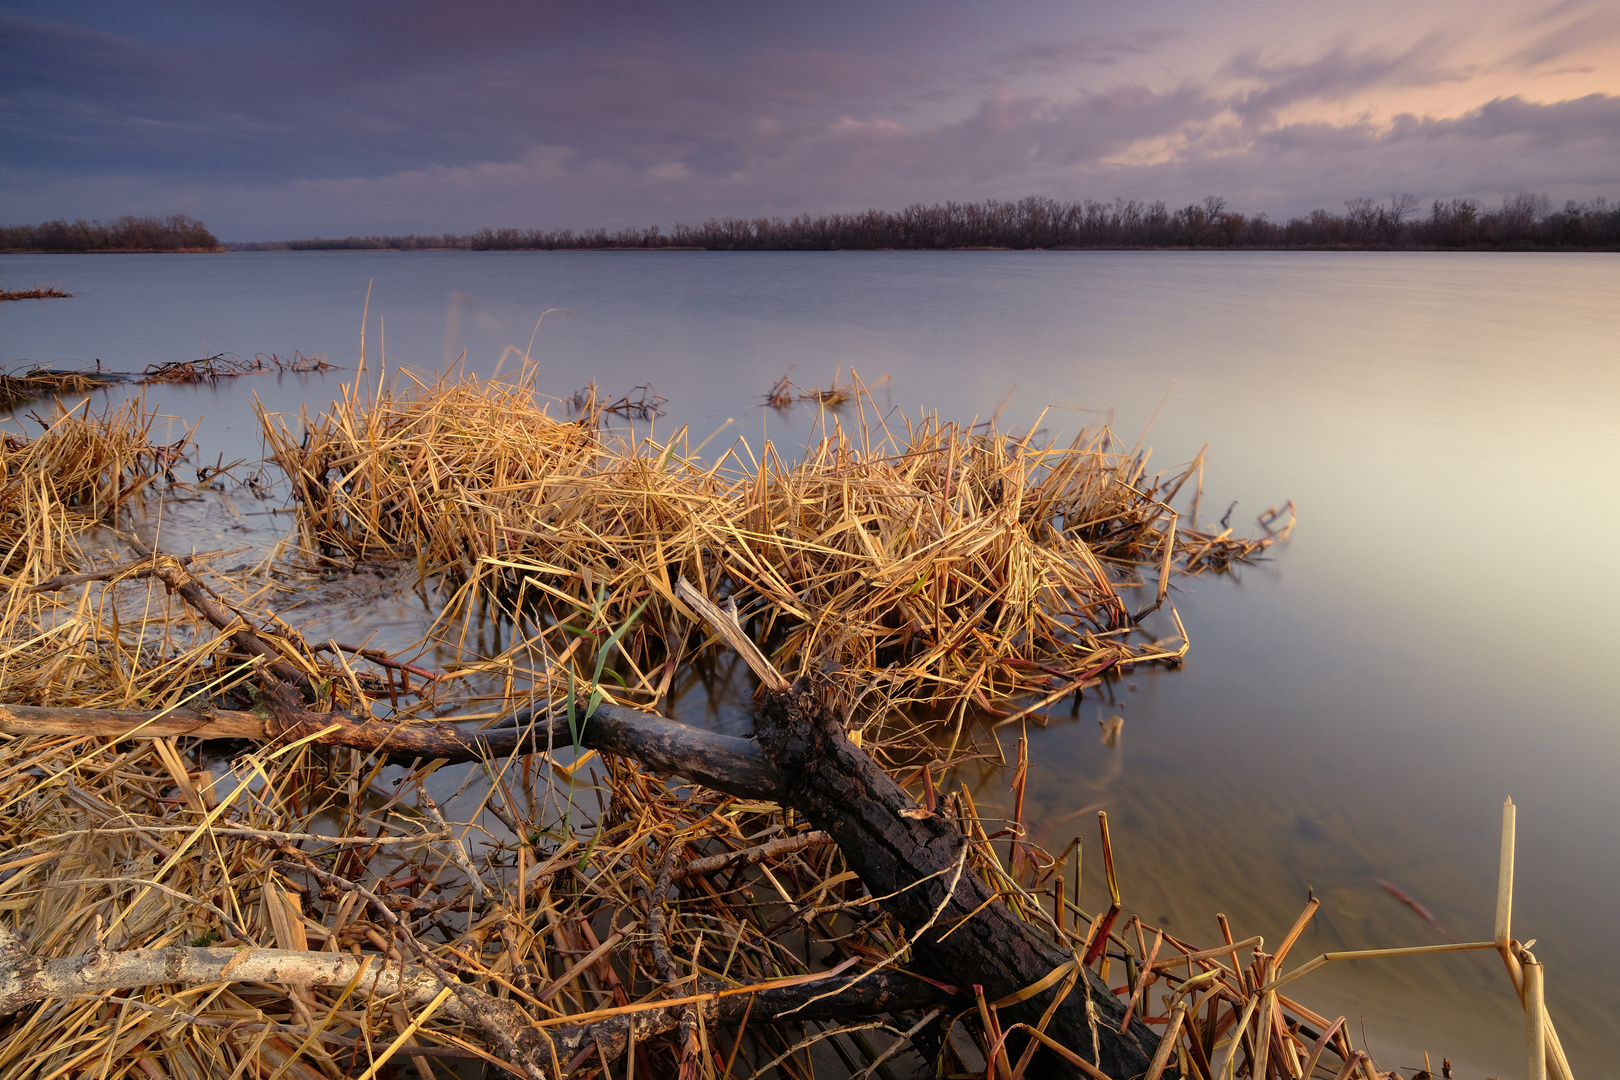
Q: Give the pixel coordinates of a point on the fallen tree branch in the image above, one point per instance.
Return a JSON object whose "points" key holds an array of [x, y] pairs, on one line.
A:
{"points": [[749, 856], [722, 762], [26, 980], [138, 568], [171, 573], [900, 852]]}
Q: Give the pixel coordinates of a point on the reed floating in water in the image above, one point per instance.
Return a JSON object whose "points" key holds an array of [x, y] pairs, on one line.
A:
{"points": [[298, 365], [204, 369], [38, 383], [38, 292]]}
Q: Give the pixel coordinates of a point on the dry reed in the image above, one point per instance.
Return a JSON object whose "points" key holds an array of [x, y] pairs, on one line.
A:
{"points": [[969, 568], [40, 382], [206, 369], [38, 292]]}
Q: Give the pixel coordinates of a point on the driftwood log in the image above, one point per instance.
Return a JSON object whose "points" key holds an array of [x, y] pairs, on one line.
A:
{"points": [[964, 935], [959, 930]]}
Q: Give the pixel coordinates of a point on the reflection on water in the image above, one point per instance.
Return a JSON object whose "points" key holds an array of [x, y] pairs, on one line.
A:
{"points": [[1352, 712]]}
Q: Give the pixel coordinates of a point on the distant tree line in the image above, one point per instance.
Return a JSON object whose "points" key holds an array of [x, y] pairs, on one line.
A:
{"points": [[1524, 222], [128, 234]]}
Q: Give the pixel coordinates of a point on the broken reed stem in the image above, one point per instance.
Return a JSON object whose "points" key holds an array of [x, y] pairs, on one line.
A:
{"points": [[1535, 1028], [1372, 954], [1293, 935], [1507, 947], [1504, 881], [1167, 1043]]}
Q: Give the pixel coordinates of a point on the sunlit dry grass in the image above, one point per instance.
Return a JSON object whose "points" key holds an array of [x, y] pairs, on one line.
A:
{"points": [[968, 566]]}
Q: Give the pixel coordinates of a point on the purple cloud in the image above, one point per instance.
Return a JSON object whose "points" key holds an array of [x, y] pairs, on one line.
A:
{"points": [[304, 117]]}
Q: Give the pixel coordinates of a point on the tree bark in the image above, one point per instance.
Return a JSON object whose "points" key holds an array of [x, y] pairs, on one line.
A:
{"points": [[844, 792], [26, 980], [723, 762]]}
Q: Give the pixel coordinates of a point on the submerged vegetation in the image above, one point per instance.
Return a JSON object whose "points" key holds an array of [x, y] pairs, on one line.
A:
{"points": [[325, 896], [1525, 221], [229, 366]]}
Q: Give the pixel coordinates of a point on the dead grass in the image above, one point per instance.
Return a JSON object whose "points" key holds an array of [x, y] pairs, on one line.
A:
{"points": [[38, 292], [75, 474], [15, 390], [969, 568], [205, 369]]}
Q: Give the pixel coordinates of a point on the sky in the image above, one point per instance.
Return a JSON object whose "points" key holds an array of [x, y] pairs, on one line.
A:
{"points": [[292, 118]]}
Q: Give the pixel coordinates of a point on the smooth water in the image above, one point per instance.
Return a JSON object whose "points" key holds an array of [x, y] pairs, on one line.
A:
{"points": [[1431, 640]]}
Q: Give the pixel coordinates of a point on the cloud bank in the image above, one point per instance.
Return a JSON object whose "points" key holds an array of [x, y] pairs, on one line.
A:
{"points": [[296, 118]]}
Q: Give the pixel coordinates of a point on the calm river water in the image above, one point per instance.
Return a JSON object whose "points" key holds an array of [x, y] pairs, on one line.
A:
{"points": [[1430, 641]]}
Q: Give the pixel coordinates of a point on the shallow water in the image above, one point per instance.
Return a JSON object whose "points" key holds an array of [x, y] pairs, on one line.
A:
{"points": [[1430, 641]]}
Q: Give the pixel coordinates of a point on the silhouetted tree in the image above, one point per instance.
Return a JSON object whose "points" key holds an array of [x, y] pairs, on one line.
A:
{"points": [[128, 234], [1525, 220]]}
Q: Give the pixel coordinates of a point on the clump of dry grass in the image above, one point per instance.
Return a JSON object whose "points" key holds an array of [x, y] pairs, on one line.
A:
{"points": [[66, 480], [39, 383], [554, 886], [205, 369], [38, 292], [968, 566]]}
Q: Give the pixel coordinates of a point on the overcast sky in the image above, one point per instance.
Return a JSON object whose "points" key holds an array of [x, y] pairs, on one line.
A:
{"points": [[300, 117]]}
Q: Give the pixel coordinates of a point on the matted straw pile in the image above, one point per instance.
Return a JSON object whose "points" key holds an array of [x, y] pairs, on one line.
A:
{"points": [[964, 567], [72, 476]]}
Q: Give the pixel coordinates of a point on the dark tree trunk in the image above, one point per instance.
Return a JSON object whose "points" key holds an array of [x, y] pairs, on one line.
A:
{"points": [[844, 792]]}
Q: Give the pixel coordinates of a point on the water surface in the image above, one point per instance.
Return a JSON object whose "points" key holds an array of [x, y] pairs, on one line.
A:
{"points": [[1431, 640]]}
